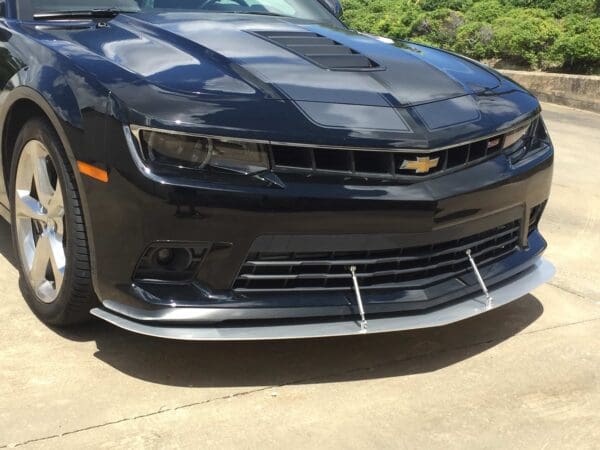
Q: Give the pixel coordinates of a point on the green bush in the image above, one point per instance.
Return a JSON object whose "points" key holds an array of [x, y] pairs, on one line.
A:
{"points": [[393, 18], [538, 34], [525, 36], [579, 47], [562, 8], [485, 11], [559, 8], [439, 27], [476, 39], [456, 5]]}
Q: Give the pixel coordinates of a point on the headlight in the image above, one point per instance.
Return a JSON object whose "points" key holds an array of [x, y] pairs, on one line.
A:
{"points": [[515, 137], [196, 152], [170, 148], [526, 141], [239, 156]]}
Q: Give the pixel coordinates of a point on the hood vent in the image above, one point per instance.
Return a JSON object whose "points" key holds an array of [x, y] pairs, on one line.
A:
{"points": [[319, 50]]}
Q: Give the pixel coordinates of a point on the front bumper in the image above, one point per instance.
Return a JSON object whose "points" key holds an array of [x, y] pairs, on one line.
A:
{"points": [[502, 294], [232, 214]]}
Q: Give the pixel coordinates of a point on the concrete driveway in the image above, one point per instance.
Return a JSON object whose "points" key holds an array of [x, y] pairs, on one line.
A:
{"points": [[525, 376]]}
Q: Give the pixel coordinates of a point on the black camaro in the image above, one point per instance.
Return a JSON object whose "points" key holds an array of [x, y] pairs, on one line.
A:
{"points": [[253, 169]]}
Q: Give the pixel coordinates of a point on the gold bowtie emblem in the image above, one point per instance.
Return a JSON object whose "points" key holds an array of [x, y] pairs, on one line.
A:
{"points": [[421, 165]]}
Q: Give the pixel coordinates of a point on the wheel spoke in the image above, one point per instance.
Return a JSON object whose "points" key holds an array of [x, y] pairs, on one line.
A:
{"points": [[41, 257], [56, 208], [39, 206], [41, 177], [27, 206], [57, 259], [60, 229]]}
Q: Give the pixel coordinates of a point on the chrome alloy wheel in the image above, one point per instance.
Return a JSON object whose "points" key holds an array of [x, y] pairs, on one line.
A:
{"points": [[39, 211]]}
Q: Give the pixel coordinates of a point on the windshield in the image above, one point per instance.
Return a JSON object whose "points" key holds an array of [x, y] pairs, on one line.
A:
{"points": [[301, 9]]}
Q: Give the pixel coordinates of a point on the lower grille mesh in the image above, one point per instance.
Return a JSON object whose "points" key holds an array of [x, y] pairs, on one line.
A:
{"points": [[405, 268]]}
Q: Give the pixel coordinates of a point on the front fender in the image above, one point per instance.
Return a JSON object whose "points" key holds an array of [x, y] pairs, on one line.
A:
{"points": [[81, 128]]}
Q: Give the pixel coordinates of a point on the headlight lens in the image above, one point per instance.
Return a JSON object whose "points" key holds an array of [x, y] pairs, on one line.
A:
{"points": [[515, 137], [196, 152], [239, 156], [167, 148], [526, 141]]}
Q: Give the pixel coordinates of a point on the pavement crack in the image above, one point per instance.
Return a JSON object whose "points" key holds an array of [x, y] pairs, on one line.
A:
{"points": [[162, 410], [332, 375], [567, 290]]}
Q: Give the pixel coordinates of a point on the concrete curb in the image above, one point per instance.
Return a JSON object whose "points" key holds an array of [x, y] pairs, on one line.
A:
{"points": [[577, 91]]}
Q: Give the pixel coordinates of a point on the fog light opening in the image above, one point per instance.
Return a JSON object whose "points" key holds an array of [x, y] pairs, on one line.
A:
{"points": [[173, 259], [176, 262]]}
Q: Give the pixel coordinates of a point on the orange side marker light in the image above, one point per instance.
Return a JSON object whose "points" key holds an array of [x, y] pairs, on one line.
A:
{"points": [[93, 171]]}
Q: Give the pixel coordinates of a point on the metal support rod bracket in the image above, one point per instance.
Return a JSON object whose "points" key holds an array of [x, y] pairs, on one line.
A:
{"points": [[361, 309], [489, 299]]}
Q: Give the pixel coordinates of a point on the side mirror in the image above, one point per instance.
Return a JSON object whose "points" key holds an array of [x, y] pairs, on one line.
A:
{"points": [[335, 6]]}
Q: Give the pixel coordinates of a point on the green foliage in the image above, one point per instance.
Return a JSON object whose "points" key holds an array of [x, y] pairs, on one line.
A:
{"points": [[538, 34], [456, 5], [526, 36], [579, 50], [393, 18], [486, 11], [475, 39], [439, 27], [562, 8]]}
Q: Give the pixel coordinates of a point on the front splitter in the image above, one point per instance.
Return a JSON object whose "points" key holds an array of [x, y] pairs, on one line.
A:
{"points": [[520, 285]]}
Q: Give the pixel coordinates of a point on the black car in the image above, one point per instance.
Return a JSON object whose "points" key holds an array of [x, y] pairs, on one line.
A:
{"points": [[253, 169]]}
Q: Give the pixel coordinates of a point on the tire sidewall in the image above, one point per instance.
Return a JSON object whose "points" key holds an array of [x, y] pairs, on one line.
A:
{"points": [[39, 129]]}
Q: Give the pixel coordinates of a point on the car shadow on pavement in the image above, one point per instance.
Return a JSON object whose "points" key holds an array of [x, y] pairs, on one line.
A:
{"points": [[273, 363]]}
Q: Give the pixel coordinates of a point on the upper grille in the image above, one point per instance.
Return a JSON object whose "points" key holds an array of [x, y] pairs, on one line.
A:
{"points": [[319, 50], [401, 268], [376, 163]]}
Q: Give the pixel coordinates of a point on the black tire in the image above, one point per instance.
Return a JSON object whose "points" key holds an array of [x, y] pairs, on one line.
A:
{"points": [[76, 295]]}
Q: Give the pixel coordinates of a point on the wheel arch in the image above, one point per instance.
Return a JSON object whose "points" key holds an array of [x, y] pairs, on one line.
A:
{"points": [[20, 105], [19, 113]]}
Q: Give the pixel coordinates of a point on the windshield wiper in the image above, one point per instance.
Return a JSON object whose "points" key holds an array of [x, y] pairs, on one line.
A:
{"points": [[109, 13], [257, 13]]}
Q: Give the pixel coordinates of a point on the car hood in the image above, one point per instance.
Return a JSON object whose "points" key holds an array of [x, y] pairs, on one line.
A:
{"points": [[224, 74], [200, 53]]}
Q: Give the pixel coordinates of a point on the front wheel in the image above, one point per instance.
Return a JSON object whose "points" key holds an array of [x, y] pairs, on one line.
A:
{"points": [[48, 229]]}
